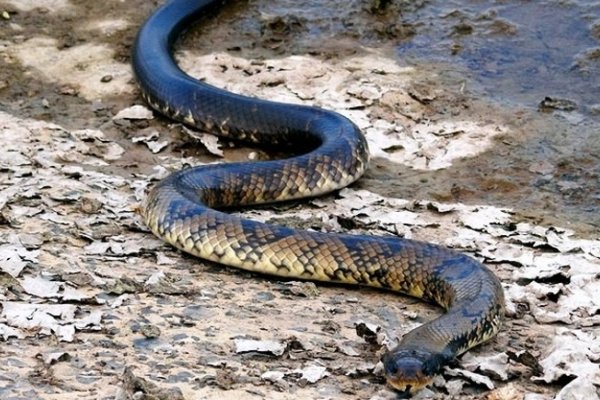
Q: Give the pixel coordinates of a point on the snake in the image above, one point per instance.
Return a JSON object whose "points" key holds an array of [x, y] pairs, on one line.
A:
{"points": [[189, 208]]}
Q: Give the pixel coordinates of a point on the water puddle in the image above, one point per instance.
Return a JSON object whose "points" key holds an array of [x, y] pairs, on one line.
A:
{"points": [[522, 51]]}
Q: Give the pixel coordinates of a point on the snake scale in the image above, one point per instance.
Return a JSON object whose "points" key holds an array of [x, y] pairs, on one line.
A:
{"points": [[183, 208]]}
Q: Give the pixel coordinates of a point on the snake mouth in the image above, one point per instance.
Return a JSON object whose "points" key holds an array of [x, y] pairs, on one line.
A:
{"points": [[411, 370], [409, 376], [408, 386]]}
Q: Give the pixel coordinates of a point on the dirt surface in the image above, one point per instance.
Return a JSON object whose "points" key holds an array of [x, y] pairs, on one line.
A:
{"points": [[95, 307]]}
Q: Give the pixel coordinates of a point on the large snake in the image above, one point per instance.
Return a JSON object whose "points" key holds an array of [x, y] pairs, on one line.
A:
{"points": [[181, 209]]}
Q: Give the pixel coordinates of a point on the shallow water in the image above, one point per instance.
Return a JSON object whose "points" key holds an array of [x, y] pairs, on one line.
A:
{"points": [[519, 51]]}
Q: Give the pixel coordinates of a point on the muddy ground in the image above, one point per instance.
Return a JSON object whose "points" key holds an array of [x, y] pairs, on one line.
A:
{"points": [[95, 307]]}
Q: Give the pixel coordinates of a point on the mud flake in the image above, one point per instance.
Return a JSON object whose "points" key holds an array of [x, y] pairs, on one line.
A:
{"points": [[273, 347]]}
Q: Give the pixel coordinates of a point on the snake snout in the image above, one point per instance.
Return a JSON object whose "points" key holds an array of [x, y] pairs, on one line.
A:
{"points": [[410, 369]]}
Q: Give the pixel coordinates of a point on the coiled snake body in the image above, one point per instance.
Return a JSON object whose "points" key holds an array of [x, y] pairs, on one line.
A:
{"points": [[181, 208]]}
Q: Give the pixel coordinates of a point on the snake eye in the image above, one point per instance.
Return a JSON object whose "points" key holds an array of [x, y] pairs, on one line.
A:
{"points": [[409, 369]]}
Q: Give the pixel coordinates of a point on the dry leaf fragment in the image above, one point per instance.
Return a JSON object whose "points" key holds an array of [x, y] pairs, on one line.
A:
{"points": [[441, 208], [561, 243], [211, 142], [97, 247], [163, 259], [41, 287], [150, 140], [58, 319], [111, 151], [482, 218], [7, 332], [9, 160], [273, 376], [156, 147], [509, 253], [454, 386], [347, 350], [579, 388], [54, 357], [90, 322], [364, 369], [273, 347], [134, 112], [162, 283], [494, 366], [10, 261], [572, 354], [69, 293], [473, 377], [312, 373], [89, 135], [146, 136]]}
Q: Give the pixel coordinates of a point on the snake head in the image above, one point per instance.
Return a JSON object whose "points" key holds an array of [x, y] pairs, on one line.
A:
{"points": [[411, 370]]}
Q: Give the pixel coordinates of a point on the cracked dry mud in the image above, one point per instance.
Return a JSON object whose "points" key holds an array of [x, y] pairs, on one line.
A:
{"points": [[95, 307]]}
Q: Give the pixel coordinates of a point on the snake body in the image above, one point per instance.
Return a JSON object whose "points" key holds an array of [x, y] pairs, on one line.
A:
{"points": [[183, 208]]}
